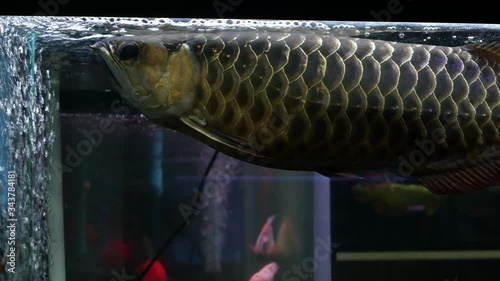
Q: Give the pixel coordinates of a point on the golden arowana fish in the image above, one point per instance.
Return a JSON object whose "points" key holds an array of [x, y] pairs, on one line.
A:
{"points": [[314, 101]]}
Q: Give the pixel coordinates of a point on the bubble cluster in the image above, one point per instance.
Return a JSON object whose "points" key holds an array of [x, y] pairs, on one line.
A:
{"points": [[25, 106]]}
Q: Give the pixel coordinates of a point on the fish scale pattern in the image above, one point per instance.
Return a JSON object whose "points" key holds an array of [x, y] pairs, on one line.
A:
{"points": [[317, 96]]}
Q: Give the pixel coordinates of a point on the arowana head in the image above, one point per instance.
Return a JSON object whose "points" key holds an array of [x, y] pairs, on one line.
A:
{"points": [[157, 74]]}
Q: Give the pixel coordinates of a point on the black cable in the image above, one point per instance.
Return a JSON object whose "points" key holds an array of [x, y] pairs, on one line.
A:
{"points": [[183, 224]]}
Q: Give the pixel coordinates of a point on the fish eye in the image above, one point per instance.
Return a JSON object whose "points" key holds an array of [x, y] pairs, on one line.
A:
{"points": [[129, 51]]}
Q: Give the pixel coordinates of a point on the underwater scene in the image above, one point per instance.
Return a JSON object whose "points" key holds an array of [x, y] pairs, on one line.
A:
{"points": [[162, 149]]}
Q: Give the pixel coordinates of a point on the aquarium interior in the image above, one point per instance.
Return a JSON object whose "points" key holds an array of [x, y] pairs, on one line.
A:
{"points": [[100, 189]]}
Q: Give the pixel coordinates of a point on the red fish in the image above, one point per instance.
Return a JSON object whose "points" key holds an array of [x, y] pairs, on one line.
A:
{"points": [[265, 241], [156, 273], [397, 199]]}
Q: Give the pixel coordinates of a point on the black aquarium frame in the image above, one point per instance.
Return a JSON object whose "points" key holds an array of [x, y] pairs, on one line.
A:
{"points": [[375, 10]]}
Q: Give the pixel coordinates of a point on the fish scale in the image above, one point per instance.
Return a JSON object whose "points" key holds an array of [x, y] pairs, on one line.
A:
{"points": [[319, 102], [328, 86]]}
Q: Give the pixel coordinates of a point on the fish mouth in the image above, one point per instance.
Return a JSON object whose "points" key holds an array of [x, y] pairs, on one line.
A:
{"points": [[119, 77], [113, 66]]}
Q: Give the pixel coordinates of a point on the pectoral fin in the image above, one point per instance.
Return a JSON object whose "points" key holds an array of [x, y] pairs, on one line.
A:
{"points": [[197, 123], [339, 174]]}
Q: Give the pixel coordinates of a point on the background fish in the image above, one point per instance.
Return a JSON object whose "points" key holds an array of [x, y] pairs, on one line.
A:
{"points": [[264, 244], [285, 250], [266, 273], [398, 199], [156, 273], [318, 102]]}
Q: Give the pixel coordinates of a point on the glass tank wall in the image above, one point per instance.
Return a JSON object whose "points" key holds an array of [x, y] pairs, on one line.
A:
{"points": [[100, 190]]}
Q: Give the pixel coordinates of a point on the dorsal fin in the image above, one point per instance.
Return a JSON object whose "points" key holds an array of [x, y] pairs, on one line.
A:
{"points": [[488, 50]]}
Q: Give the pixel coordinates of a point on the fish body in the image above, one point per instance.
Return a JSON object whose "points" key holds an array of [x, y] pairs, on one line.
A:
{"points": [[398, 199], [266, 273], [285, 249], [265, 244], [156, 273], [319, 102]]}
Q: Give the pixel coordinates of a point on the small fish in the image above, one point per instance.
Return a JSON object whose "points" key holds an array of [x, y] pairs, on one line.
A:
{"points": [[398, 199], [266, 273], [286, 247], [156, 273], [287, 243], [265, 241], [309, 100]]}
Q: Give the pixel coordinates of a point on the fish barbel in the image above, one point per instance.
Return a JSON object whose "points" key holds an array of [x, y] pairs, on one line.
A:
{"points": [[318, 102]]}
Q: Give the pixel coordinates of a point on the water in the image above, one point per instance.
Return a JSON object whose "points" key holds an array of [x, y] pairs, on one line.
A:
{"points": [[99, 189], [25, 153]]}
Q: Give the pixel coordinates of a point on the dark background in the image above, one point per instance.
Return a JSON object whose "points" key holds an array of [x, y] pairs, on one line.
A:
{"points": [[352, 10]]}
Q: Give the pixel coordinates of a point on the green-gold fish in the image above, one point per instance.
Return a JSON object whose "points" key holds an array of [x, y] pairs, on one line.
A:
{"points": [[398, 199], [319, 102]]}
